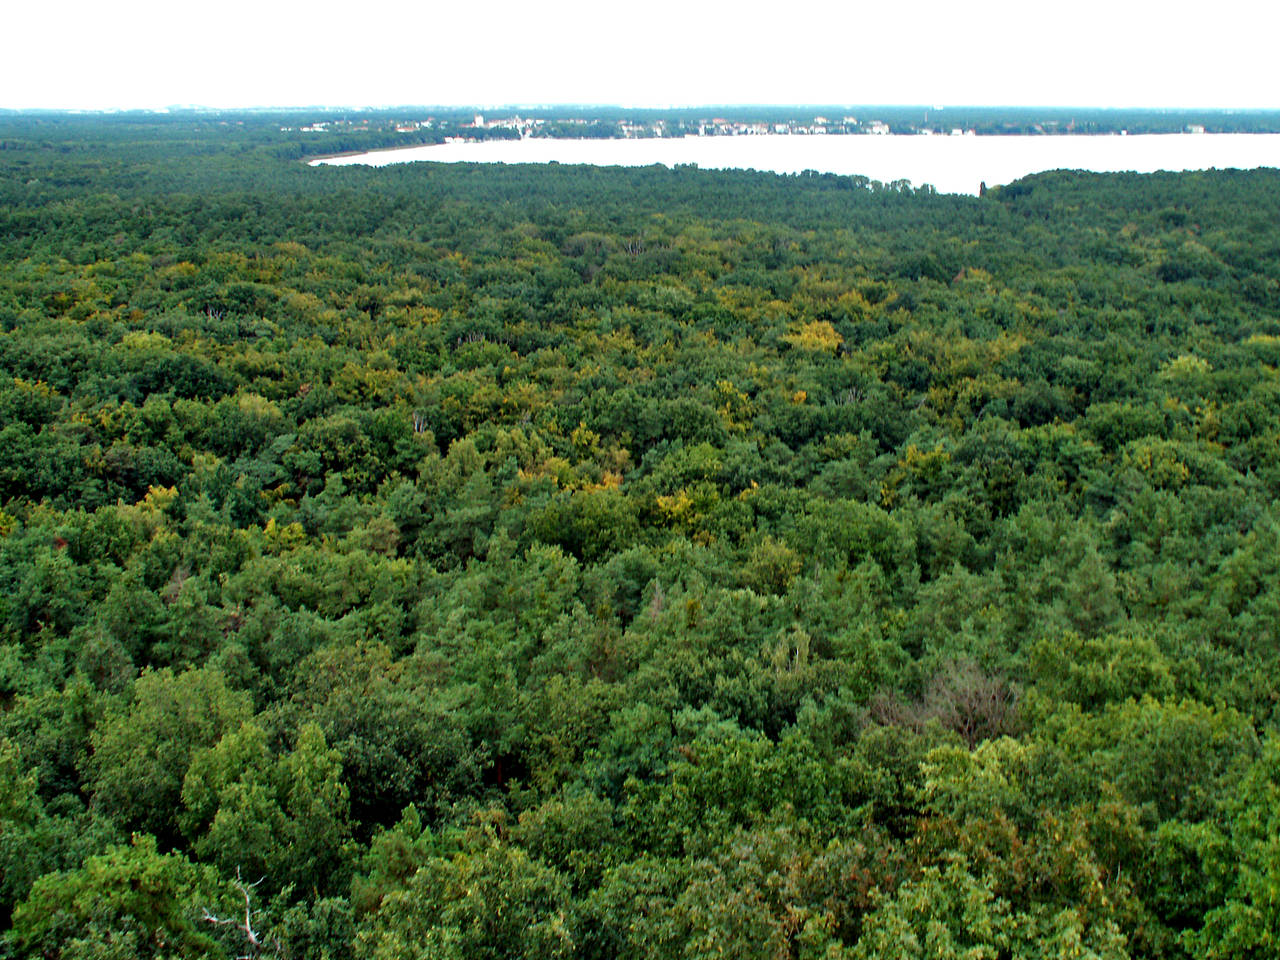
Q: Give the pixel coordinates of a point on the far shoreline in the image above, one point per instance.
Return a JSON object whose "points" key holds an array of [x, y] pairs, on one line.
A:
{"points": [[312, 159]]}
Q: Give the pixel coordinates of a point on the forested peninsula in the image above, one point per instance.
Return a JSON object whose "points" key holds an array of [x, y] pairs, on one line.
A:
{"points": [[464, 561]]}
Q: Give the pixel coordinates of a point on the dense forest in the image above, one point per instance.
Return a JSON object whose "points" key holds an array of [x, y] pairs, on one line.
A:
{"points": [[459, 561]]}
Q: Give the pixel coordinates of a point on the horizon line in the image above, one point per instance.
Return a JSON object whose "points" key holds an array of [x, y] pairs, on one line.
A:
{"points": [[573, 105]]}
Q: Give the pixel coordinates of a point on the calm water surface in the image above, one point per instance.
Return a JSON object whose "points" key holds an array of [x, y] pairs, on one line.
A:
{"points": [[951, 164]]}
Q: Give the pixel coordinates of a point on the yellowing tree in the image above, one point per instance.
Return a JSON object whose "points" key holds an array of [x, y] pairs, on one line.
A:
{"points": [[817, 336]]}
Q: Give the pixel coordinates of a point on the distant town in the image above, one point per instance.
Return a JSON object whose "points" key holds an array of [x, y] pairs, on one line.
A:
{"points": [[486, 127]]}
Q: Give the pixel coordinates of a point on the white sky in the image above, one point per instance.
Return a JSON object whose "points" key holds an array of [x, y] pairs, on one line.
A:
{"points": [[1116, 53]]}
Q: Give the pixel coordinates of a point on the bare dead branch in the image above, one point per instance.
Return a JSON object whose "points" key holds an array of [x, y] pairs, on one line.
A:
{"points": [[252, 937]]}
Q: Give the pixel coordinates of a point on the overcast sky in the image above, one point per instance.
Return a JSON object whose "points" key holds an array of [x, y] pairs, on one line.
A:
{"points": [[239, 53]]}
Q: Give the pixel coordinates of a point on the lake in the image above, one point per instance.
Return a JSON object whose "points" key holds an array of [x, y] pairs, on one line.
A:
{"points": [[952, 164]]}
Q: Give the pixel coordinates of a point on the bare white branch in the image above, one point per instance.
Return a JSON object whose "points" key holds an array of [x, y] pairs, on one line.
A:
{"points": [[252, 938]]}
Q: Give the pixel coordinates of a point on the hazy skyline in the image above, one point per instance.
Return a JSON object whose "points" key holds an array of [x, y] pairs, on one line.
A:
{"points": [[240, 54]]}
